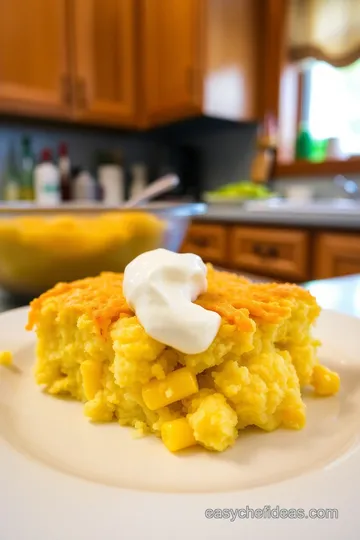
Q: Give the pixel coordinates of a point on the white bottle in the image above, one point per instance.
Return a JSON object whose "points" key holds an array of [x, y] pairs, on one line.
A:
{"points": [[139, 179], [47, 181], [84, 188], [112, 181]]}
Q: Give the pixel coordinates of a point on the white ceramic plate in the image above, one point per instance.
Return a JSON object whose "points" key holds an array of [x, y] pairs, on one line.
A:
{"points": [[63, 478]]}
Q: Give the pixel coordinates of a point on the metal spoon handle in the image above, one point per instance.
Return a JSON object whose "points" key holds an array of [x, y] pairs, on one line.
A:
{"points": [[162, 185]]}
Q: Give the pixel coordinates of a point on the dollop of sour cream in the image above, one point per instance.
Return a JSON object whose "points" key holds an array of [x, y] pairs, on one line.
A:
{"points": [[160, 286]]}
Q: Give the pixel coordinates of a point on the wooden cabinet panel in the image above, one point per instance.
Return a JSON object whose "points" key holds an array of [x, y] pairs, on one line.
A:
{"points": [[34, 67], [275, 252], [129, 62], [337, 255], [171, 46], [231, 59], [201, 57], [207, 241], [104, 36]]}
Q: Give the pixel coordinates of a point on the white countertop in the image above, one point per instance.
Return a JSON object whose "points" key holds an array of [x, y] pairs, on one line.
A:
{"points": [[339, 294], [237, 214]]}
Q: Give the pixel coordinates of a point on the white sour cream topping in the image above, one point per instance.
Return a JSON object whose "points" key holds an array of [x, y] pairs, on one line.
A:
{"points": [[161, 286]]}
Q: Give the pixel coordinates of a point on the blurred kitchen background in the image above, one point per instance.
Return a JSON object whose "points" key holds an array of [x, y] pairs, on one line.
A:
{"points": [[255, 104]]}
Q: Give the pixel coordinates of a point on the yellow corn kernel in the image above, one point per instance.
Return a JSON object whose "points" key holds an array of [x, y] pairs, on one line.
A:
{"points": [[325, 381], [177, 434], [6, 358], [179, 384], [91, 373]]}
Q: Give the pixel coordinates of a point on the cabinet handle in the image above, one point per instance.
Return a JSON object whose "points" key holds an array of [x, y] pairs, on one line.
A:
{"points": [[190, 80], [265, 251], [201, 242], [81, 98], [66, 91]]}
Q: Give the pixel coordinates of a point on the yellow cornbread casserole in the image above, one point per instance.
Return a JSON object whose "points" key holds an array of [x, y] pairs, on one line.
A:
{"points": [[91, 346]]}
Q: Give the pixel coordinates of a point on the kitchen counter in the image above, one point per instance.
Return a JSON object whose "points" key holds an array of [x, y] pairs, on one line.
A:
{"points": [[340, 294], [236, 214]]}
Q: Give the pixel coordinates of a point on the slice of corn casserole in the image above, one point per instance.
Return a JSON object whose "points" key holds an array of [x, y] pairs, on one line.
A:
{"points": [[92, 347]]}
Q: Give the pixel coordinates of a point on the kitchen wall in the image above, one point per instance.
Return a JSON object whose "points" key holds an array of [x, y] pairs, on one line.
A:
{"points": [[226, 148], [83, 143]]}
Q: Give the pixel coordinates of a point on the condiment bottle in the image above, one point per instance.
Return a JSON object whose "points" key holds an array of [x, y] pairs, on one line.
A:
{"points": [[47, 181]]}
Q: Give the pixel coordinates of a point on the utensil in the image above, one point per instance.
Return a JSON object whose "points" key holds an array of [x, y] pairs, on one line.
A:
{"points": [[160, 186]]}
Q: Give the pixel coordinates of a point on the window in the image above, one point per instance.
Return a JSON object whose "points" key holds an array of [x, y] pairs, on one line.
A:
{"points": [[333, 104]]}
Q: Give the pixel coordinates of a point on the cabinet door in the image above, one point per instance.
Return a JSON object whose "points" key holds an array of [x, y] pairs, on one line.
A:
{"points": [[104, 37], [172, 39], [274, 252], [337, 255], [207, 241], [34, 70]]}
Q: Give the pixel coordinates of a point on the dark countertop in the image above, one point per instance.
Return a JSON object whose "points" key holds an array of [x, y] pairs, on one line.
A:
{"points": [[339, 294]]}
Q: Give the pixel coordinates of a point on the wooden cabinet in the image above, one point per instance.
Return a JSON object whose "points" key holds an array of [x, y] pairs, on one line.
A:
{"points": [[69, 59], [34, 57], [337, 255], [286, 254], [104, 60], [274, 252], [172, 57], [200, 56], [207, 241], [280, 253], [130, 62]]}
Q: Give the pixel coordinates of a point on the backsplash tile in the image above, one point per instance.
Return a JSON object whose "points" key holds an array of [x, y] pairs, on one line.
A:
{"points": [[227, 148]]}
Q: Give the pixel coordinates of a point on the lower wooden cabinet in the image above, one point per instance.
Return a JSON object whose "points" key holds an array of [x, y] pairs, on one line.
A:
{"points": [[281, 253], [285, 254], [208, 241], [337, 255]]}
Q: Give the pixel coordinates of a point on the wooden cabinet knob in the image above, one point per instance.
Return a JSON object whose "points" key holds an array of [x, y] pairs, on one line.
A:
{"points": [[81, 97], [191, 81], [66, 89], [201, 242], [263, 250]]}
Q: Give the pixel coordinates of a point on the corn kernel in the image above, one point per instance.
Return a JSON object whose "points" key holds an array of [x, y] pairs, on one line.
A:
{"points": [[325, 381], [177, 434], [179, 384], [6, 358], [91, 373]]}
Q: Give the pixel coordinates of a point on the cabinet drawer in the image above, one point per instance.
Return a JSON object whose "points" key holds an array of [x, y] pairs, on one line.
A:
{"points": [[277, 252], [207, 241], [337, 255]]}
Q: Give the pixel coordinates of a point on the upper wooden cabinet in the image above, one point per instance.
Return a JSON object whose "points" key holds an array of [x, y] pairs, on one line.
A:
{"points": [[104, 61], [129, 62], [34, 61], [200, 57], [172, 57]]}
